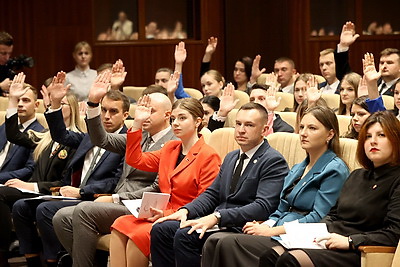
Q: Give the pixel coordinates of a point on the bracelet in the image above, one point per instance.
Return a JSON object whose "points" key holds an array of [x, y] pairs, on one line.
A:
{"points": [[93, 105]]}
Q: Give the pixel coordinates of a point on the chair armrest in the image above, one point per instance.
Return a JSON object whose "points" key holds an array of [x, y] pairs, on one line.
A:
{"points": [[376, 249], [101, 195]]}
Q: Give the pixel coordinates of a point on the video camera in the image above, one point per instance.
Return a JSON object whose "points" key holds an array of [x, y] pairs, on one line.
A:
{"points": [[17, 63]]}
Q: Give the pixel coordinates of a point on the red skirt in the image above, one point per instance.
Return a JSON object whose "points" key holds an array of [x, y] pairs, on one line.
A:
{"points": [[138, 230]]}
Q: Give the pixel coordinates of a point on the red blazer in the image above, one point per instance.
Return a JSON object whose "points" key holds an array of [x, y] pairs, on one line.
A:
{"points": [[188, 180]]}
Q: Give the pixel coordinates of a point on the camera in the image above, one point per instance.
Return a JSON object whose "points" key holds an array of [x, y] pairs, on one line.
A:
{"points": [[17, 63]]}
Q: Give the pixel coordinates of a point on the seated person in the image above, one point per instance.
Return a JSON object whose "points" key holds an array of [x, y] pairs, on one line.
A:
{"points": [[210, 105], [309, 192], [247, 187], [185, 168]]}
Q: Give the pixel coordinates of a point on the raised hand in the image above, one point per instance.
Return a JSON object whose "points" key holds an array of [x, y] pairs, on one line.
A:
{"points": [[348, 35], [255, 69], [271, 102], [271, 79], [227, 100], [362, 87], [370, 73], [142, 112], [17, 87], [172, 85], [46, 97], [180, 53], [313, 93], [118, 75], [99, 87], [57, 90], [210, 49]]}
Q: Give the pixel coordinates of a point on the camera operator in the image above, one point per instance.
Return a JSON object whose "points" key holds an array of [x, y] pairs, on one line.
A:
{"points": [[6, 47]]}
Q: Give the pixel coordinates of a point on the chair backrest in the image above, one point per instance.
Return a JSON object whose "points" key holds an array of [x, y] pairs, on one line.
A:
{"points": [[388, 101], [223, 141], [41, 108], [42, 120], [129, 123], [332, 100], [243, 98], [344, 122], [288, 144], [396, 258], [289, 118], [231, 119], [287, 100], [3, 103], [134, 92], [206, 133], [132, 109], [193, 93], [2, 116], [82, 124], [349, 147]]}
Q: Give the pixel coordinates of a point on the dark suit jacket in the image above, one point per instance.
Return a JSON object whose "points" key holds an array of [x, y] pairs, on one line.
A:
{"points": [[19, 162], [257, 193], [390, 91], [108, 169], [133, 182]]}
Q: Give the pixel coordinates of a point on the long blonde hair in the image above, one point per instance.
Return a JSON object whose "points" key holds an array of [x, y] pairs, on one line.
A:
{"points": [[43, 139]]}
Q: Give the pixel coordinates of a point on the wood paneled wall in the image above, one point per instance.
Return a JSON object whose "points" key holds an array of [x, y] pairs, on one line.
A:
{"points": [[48, 30]]}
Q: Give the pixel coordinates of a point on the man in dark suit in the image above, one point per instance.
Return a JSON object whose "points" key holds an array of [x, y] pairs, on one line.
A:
{"points": [[389, 66], [78, 228], [92, 170], [247, 187], [16, 161]]}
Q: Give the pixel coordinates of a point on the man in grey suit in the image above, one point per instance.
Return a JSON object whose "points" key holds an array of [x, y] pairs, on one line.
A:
{"points": [[78, 228]]}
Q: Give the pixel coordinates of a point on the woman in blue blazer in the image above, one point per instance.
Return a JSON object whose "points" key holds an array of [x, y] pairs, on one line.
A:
{"points": [[310, 190]]}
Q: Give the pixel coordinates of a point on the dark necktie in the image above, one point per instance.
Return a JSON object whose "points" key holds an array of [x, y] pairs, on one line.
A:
{"points": [[91, 167], [237, 173], [147, 143], [382, 88]]}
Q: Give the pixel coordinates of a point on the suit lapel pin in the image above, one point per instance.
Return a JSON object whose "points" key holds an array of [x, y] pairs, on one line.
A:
{"points": [[375, 186], [162, 145], [62, 154], [255, 161]]}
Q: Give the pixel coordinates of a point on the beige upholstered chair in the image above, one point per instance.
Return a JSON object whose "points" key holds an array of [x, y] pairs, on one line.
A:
{"points": [[42, 120], [129, 123], [344, 122], [132, 109], [3, 103], [332, 100], [104, 242], [206, 133], [223, 141], [288, 144], [243, 98], [193, 93], [372, 256], [134, 92], [287, 101], [41, 108], [289, 118], [349, 147], [388, 101], [2, 116], [231, 119]]}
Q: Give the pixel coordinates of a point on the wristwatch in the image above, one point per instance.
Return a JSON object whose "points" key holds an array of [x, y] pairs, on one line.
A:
{"points": [[218, 216]]}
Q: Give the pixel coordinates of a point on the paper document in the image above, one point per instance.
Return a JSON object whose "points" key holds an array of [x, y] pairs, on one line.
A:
{"points": [[304, 235], [140, 208], [24, 190], [50, 197]]}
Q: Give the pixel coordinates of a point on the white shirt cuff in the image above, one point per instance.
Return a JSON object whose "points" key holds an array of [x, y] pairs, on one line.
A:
{"points": [[115, 198], [10, 112], [341, 49], [218, 118], [50, 110], [92, 112], [36, 187]]}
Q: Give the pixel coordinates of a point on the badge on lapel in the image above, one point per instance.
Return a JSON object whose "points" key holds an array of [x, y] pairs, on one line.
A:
{"points": [[63, 154]]}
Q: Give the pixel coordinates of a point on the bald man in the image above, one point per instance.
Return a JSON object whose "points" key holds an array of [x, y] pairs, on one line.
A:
{"points": [[78, 227]]}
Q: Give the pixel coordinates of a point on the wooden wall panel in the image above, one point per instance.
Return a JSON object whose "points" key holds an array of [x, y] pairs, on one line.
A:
{"points": [[48, 30]]}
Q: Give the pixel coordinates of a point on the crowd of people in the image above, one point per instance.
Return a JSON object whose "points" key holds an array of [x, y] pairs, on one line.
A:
{"points": [[227, 211]]}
